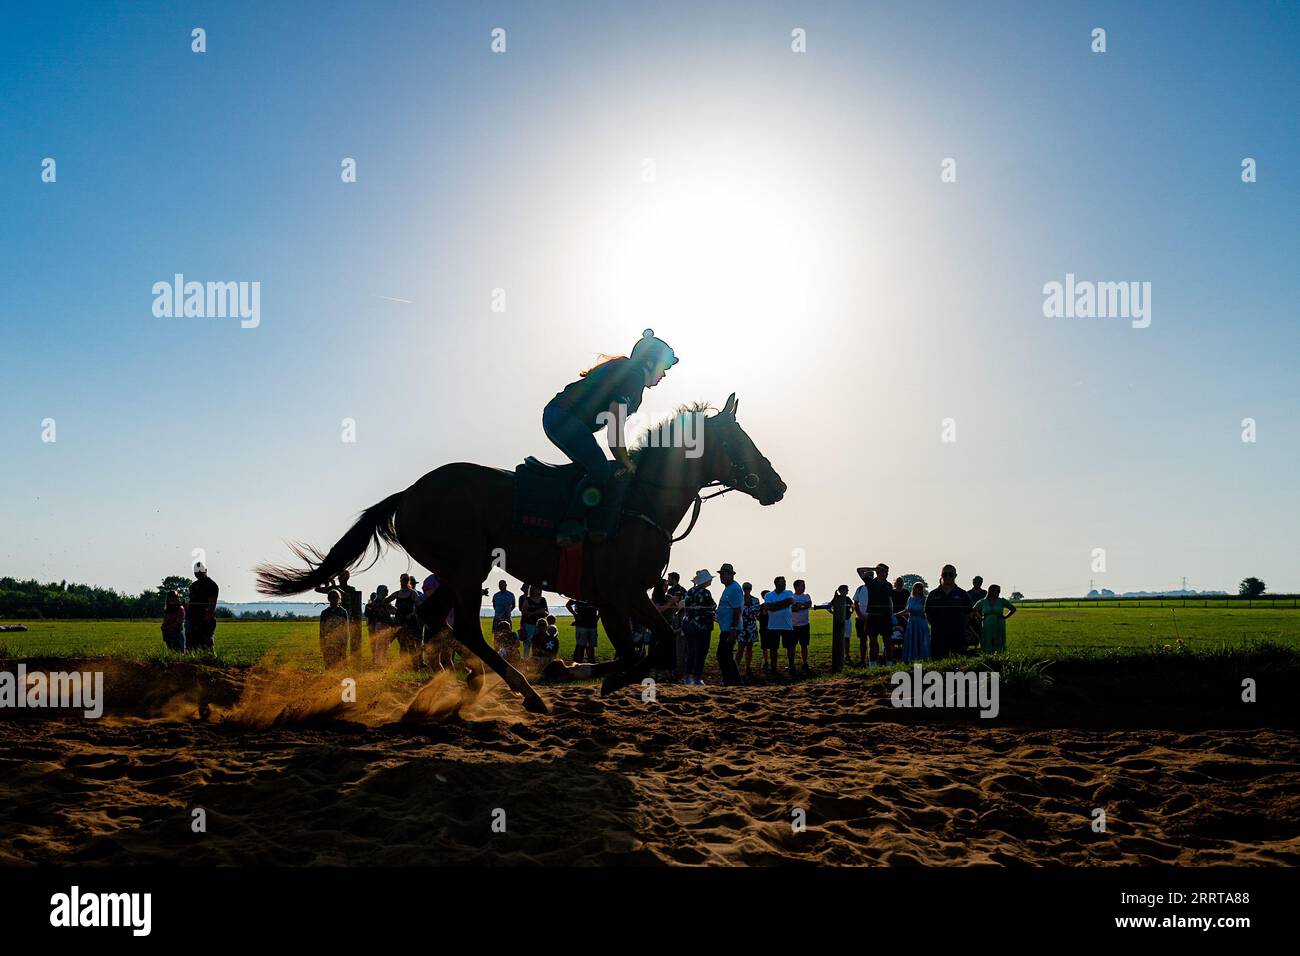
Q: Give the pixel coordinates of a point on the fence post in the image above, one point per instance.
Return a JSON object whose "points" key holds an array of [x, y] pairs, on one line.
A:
{"points": [[838, 615]]}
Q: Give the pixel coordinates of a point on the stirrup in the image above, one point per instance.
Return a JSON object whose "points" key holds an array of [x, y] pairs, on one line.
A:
{"points": [[573, 526], [570, 532]]}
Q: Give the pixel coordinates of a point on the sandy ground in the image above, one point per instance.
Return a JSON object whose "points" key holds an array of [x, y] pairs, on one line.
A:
{"points": [[702, 776]]}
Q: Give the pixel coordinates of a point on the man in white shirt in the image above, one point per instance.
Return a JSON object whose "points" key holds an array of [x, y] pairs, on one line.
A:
{"points": [[799, 609], [861, 601], [730, 608], [780, 622]]}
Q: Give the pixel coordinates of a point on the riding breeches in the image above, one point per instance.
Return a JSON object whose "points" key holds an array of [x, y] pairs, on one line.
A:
{"points": [[575, 439]]}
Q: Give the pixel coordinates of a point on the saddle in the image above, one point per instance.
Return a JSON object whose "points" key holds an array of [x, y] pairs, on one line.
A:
{"points": [[542, 493]]}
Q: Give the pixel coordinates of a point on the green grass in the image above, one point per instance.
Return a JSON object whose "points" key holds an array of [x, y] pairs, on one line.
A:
{"points": [[237, 642], [1209, 601], [1035, 632]]}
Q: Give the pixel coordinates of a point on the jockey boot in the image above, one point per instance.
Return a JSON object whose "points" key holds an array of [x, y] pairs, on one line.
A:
{"points": [[573, 528], [615, 493]]}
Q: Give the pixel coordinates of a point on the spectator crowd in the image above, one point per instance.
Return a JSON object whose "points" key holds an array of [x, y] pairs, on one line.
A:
{"points": [[892, 623]]}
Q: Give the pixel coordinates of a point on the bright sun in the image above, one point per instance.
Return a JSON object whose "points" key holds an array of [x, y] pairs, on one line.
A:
{"points": [[719, 256]]}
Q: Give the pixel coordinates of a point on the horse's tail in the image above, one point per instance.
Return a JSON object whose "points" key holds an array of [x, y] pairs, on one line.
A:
{"points": [[373, 528]]}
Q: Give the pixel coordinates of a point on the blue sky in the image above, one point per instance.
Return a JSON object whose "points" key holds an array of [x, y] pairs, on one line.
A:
{"points": [[913, 300]]}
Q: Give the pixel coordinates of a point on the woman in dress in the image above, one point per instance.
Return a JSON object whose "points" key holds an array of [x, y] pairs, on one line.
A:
{"points": [[916, 638], [993, 622], [406, 600]]}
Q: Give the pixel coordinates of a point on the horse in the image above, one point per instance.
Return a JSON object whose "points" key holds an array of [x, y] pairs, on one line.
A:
{"points": [[457, 521]]}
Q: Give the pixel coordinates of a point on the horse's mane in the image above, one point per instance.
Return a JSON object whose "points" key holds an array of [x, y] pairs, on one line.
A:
{"points": [[652, 439]]}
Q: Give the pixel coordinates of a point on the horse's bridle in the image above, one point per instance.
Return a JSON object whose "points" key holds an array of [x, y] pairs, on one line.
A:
{"points": [[738, 473]]}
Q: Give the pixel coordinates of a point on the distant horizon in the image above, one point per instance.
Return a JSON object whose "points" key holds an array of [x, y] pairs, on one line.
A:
{"points": [[516, 587], [930, 586]]}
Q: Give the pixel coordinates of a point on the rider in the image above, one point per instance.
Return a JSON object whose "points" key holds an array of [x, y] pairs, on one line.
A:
{"points": [[614, 389]]}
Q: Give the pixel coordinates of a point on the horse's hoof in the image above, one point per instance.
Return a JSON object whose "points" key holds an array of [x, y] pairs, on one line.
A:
{"points": [[612, 683], [534, 704]]}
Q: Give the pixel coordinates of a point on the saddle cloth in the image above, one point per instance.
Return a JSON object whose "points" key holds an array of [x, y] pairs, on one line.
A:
{"points": [[542, 493]]}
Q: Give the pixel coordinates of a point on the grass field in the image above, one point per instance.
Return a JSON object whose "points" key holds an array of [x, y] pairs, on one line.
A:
{"points": [[1035, 632], [1227, 603]]}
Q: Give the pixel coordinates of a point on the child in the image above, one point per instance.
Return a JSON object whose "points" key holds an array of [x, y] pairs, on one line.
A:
{"points": [[764, 637], [334, 630], [546, 644], [640, 638], [173, 622], [916, 639], [843, 591], [897, 636], [505, 641], [993, 623]]}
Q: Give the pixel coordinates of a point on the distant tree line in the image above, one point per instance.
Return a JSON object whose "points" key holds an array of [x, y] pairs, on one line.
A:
{"points": [[32, 599], [60, 600]]}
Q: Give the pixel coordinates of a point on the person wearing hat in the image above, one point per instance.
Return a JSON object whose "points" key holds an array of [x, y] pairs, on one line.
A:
{"points": [[731, 607], [697, 626], [602, 397], [201, 615]]}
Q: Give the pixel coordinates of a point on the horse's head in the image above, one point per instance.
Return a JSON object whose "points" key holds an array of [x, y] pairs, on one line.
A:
{"points": [[734, 459]]}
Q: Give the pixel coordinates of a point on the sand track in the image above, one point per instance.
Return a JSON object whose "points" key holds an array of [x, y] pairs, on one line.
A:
{"points": [[702, 776]]}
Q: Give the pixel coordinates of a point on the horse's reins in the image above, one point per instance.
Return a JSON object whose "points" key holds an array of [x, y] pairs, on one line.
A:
{"points": [[732, 483]]}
